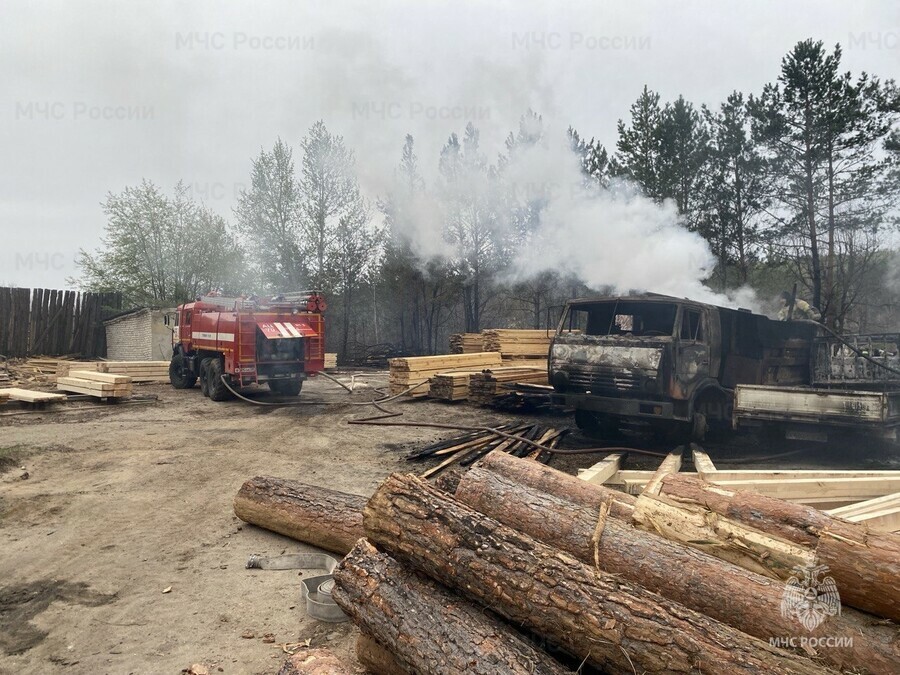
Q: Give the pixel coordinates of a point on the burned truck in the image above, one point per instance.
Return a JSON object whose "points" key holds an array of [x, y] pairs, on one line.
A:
{"points": [[668, 363]]}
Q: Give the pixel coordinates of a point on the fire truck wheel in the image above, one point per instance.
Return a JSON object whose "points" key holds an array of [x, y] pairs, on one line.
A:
{"points": [[285, 387], [217, 389], [178, 377], [204, 376]]}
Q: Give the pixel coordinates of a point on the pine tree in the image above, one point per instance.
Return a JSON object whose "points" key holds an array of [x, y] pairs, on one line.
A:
{"points": [[639, 145]]}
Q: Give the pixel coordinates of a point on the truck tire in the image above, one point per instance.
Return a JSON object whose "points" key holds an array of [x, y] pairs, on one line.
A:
{"points": [[217, 389], [178, 377], [285, 387], [204, 376], [596, 424]]}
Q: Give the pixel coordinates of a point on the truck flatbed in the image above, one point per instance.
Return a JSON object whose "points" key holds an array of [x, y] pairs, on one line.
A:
{"points": [[809, 413]]}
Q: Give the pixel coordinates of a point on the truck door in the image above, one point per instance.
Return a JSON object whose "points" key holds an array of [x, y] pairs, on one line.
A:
{"points": [[692, 352]]}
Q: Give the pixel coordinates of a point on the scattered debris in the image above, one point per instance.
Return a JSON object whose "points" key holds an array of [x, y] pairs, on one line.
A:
{"points": [[470, 447]]}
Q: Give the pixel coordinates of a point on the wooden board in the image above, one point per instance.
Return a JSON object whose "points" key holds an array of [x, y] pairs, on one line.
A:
{"points": [[105, 378], [602, 471], [881, 513], [28, 396], [92, 388]]}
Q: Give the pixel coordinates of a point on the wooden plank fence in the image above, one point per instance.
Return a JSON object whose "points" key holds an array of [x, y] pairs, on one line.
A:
{"points": [[54, 323]]}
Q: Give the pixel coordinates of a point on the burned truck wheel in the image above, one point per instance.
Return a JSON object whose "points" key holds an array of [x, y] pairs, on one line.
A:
{"points": [[285, 387], [178, 376], [217, 389], [596, 424]]}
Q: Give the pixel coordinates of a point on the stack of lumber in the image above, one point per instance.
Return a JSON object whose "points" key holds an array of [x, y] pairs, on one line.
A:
{"points": [[519, 568], [330, 360], [521, 440], [28, 396], [138, 371], [416, 371], [44, 365], [101, 385], [466, 343], [488, 385], [4, 396], [518, 344], [451, 386]]}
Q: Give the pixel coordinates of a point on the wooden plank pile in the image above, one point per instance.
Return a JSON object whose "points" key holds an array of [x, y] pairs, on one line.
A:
{"points": [[138, 371], [518, 344], [519, 568], [451, 386], [29, 396], [330, 360], [466, 343], [881, 513], [100, 385], [830, 490], [466, 449], [487, 386], [416, 371]]}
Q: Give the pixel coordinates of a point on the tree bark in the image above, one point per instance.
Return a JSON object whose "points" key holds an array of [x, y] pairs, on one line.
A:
{"points": [[543, 478], [324, 518], [315, 662], [748, 601], [377, 659], [429, 630], [864, 564], [612, 624]]}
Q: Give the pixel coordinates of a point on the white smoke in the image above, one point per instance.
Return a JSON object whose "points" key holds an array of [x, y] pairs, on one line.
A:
{"points": [[609, 237]]}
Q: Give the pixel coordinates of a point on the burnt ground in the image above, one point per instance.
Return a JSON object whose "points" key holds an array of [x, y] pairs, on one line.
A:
{"points": [[124, 502]]}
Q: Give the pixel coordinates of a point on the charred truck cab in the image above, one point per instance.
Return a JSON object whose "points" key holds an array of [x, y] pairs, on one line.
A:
{"points": [[668, 362]]}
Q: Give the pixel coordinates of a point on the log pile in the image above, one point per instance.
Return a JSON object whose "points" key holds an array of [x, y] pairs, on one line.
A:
{"points": [[515, 567], [416, 371], [99, 385], [488, 385], [465, 343]]}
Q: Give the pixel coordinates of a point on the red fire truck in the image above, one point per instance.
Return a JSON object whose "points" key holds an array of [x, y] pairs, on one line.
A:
{"points": [[235, 342]]}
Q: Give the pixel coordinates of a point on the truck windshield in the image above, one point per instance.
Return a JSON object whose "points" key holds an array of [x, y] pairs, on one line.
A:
{"points": [[622, 318]]}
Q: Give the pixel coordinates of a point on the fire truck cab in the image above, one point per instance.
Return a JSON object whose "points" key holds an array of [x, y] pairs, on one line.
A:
{"points": [[228, 343]]}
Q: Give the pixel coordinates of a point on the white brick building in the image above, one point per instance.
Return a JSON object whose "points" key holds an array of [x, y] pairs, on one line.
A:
{"points": [[138, 335]]}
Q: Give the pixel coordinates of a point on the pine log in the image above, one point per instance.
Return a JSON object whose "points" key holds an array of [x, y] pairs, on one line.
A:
{"points": [[428, 629], [615, 625], [748, 601], [315, 662], [722, 537], [375, 658], [545, 479], [315, 515], [865, 564]]}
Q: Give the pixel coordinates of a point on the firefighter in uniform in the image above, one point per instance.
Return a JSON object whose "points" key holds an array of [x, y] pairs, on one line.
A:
{"points": [[802, 309]]}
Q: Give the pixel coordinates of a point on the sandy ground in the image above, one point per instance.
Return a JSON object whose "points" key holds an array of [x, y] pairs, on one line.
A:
{"points": [[124, 502]]}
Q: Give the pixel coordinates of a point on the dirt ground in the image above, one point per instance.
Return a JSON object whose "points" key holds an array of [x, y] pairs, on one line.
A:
{"points": [[120, 549]]}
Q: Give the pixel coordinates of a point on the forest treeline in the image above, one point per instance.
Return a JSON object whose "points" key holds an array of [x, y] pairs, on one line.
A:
{"points": [[795, 184]]}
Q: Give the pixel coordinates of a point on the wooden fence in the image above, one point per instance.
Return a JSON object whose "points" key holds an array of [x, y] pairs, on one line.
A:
{"points": [[54, 323]]}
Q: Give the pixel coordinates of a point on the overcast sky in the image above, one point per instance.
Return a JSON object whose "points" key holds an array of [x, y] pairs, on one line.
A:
{"points": [[98, 95]]}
